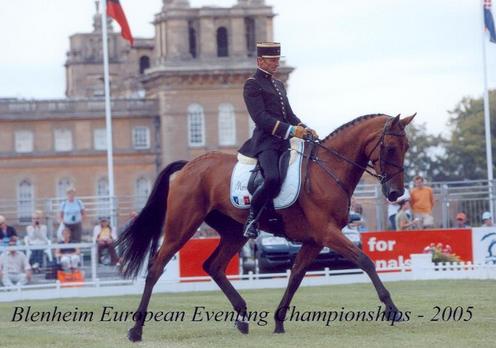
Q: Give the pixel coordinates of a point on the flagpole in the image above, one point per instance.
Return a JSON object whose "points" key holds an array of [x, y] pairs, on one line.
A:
{"points": [[108, 115], [487, 120]]}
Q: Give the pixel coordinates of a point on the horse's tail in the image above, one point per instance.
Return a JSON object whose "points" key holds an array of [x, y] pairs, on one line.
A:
{"points": [[142, 234]]}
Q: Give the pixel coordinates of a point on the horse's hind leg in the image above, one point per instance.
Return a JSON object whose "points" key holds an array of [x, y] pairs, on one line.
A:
{"points": [[180, 225], [306, 255], [231, 242], [337, 241]]}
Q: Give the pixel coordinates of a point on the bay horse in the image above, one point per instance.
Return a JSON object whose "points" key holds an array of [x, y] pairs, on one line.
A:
{"points": [[199, 192]]}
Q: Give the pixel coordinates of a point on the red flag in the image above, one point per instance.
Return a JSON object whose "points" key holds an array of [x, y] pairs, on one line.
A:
{"points": [[115, 11]]}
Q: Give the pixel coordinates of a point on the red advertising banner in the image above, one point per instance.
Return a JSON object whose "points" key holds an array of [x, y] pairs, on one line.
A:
{"points": [[195, 252], [393, 248]]}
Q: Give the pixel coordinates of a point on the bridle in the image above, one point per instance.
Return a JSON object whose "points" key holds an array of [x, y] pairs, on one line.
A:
{"points": [[382, 177]]}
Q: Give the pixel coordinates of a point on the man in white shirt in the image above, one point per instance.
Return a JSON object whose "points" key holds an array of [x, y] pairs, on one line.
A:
{"points": [[14, 266], [37, 235], [393, 207]]}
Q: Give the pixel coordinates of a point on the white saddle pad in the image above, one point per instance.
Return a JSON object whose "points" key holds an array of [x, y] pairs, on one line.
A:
{"points": [[241, 198]]}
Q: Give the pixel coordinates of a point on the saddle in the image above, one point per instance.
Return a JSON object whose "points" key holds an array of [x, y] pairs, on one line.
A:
{"points": [[247, 177]]}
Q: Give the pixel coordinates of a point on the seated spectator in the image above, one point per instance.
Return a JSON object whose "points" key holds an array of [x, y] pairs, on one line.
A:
{"points": [[36, 235], [355, 206], [6, 232], [69, 257], [393, 207], [104, 236], [487, 219], [403, 218], [14, 266], [461, 220], [355, 223]]}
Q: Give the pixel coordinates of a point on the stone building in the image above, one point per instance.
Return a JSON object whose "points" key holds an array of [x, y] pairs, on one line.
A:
{"points": [[174, 96]]}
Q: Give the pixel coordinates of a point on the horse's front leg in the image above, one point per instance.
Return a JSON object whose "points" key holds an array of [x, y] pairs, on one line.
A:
{"points": [[306, 255], [337, 241]]}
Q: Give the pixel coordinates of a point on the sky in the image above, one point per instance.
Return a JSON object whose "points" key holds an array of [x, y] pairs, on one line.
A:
{"points": [[350, 57]]}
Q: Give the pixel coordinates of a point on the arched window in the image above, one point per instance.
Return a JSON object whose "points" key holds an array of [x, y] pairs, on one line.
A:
{"points": [[222, 47], [25, 202], [62, 186], [227, 125], [250, 36], [103, 198], [144, 63], [192, 40], [143, 188], [196, 125]]}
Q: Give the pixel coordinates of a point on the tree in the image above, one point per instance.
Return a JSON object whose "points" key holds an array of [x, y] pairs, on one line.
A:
{"points": [[423, 156], [466, 148]]}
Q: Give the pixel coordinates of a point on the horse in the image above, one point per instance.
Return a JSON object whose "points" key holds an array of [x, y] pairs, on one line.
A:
{"points": [[186, 194]]}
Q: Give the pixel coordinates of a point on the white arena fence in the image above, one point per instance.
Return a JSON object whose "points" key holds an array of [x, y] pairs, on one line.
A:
{"points": [[99, 288]]}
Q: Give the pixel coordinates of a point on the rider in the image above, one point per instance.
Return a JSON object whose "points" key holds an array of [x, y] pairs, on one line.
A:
{"points": [[268, 106]]}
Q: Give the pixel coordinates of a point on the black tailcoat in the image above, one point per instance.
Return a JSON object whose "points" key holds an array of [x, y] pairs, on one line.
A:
{"points": [[268, 106]]}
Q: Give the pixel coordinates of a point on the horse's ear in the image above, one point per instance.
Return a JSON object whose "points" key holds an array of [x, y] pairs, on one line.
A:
{"points": [[395, 121], [406, 121]]}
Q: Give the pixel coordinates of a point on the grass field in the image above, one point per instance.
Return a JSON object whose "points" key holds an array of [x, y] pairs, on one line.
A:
{"points": [[419, 297]]}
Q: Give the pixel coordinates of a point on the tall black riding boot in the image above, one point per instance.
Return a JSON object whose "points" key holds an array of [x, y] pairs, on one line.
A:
{"points": [[251, 226]]}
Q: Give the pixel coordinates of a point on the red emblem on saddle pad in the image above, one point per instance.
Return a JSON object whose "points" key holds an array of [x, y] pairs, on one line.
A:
{"points": [[246, 200]]}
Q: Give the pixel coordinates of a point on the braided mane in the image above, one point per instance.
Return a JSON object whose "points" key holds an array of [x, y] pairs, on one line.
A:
{"points": [[352, 123]]}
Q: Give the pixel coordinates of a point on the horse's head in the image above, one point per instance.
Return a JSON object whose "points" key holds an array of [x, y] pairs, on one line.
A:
{"points": [[388, 154]]}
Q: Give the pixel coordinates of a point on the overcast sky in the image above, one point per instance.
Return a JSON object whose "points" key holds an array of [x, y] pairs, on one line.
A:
{"points": [[351, 57]]}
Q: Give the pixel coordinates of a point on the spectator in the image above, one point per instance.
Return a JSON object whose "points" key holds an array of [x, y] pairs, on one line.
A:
{"points": [[14, 266], [68, 257], [461, 220], [6, 232], [487, 219], [72, 214], [104, 236], [393, 208], [36, 235], [422, 201], [355, 206], [403, 219]]}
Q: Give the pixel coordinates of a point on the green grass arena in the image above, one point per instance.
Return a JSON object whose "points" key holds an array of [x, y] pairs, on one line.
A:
{"points": [[418, 297]]}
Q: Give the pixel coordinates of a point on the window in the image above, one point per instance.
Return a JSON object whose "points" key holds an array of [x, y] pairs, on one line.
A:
{"points": [[25, 201], [196, 125], [192, 40], [250, 36], [227, 125], [100, 139], [144, 63], [141, 138], [103, 199], [222, 48], [63, 140], [24, 141], [143, 188], [251, 126], [62, 186]]}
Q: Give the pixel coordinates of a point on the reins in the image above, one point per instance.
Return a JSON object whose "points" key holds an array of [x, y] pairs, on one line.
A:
{"points": [[380, 143]]}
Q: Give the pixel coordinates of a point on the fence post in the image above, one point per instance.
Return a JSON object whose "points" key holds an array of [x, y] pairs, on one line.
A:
{"points": [[445, 205], [93, 262], [379, 208]]}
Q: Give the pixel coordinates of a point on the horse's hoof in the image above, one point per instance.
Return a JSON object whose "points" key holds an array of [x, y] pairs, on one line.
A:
{"points": [[242, 326], [395, 316], [134, 335]]}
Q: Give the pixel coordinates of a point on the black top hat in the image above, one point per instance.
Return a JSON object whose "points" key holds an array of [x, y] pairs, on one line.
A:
{"points": [[268, 49]]}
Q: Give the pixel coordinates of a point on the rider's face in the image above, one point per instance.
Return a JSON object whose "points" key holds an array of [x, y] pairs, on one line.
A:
{"points": [[268, 64]]}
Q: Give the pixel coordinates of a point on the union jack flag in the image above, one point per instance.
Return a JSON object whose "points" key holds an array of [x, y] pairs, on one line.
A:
{"points": [[489, 21]]}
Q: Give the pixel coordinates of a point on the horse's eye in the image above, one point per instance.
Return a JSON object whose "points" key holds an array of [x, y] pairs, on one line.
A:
{"points": [[391, 151]]}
